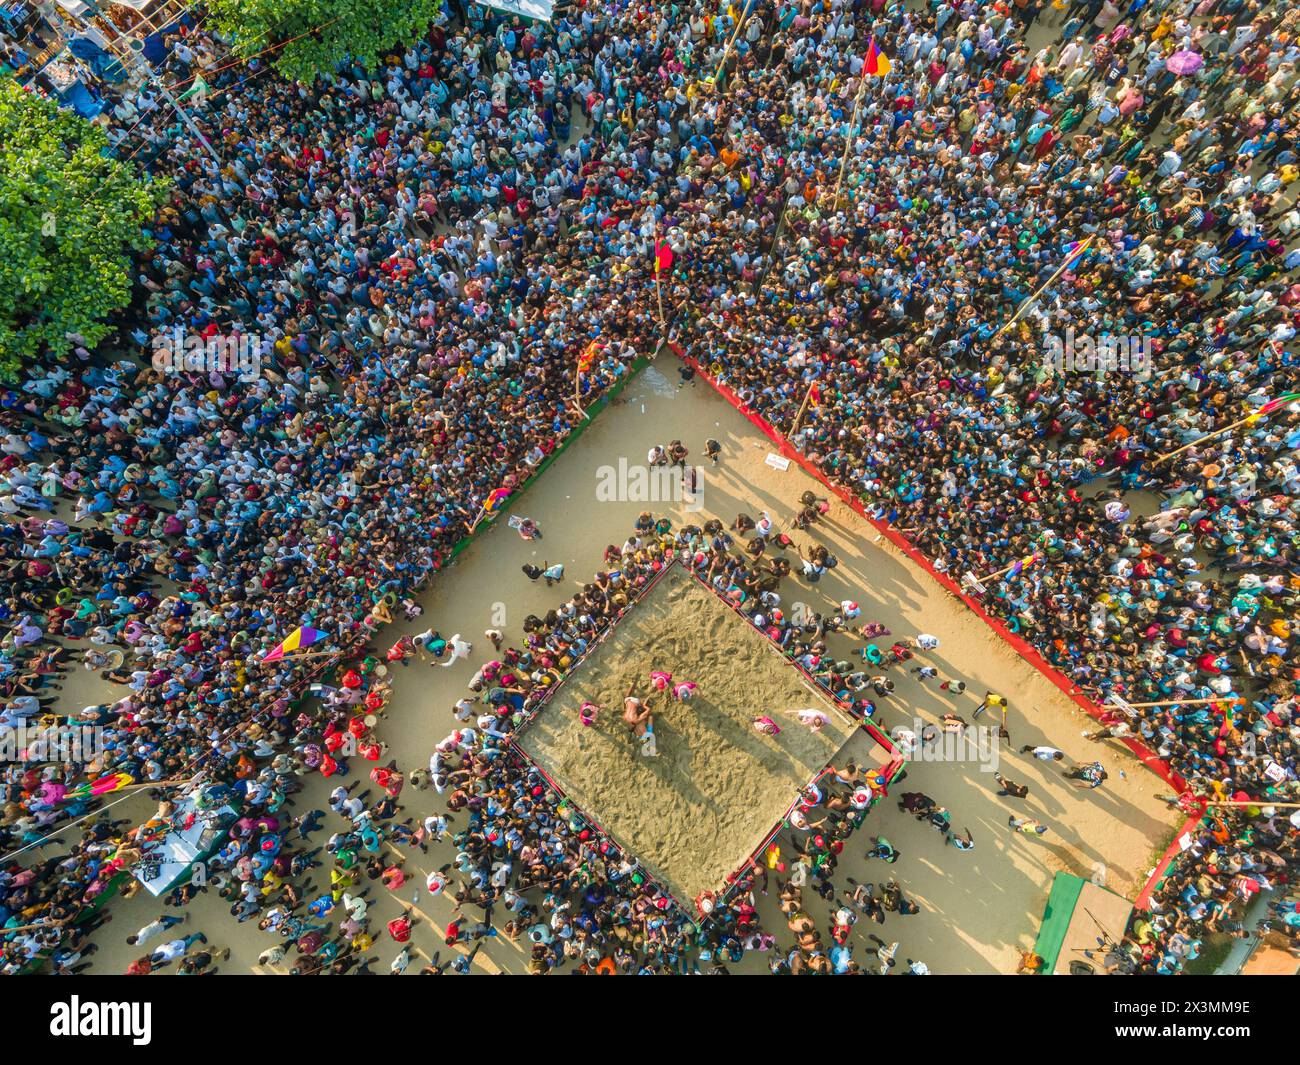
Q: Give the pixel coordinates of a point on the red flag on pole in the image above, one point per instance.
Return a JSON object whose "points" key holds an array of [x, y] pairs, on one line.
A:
{"points": [[663, 257], [877, 63]]}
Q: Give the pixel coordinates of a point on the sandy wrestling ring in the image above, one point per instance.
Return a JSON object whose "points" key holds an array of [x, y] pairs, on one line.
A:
{"points": [[696, 812]]}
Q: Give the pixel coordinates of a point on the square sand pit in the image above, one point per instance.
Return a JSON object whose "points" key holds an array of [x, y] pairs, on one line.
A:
{"points": [[696, 812]]}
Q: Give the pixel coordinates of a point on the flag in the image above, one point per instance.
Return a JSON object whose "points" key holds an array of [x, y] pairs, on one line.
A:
{"points": [[302, 637], [588, 356], [1074, 250], [1229, 723], [495, 500], [1272, 405], [877, 64], [103, 786], [663, 257], [1281, 401], [199, 90], [814, 395], [1022, 564]]}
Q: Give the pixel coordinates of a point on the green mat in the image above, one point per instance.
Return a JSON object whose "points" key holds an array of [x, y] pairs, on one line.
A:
{"points": [[1056, 918]]}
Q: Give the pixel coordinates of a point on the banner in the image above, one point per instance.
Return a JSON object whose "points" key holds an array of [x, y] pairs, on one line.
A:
{"points": [[536, 9]]}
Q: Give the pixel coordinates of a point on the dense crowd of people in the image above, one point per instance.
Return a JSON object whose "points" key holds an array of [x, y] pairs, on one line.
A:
{"points": [[599, 907], [973, 174], [421, 254]]}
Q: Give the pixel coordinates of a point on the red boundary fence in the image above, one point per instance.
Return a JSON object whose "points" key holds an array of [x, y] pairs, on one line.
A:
{"points": [[1143, 901], [1030, 654]]}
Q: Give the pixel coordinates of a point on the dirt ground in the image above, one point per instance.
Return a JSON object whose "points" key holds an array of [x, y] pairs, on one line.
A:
{"points": [[698, 809], [977, 907]]}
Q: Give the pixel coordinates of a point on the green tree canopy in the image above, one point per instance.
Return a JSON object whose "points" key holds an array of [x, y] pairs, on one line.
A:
{"points": [[327, 30], [70, 216]]}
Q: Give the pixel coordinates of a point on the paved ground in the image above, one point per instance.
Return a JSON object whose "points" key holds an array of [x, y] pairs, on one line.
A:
{"points": [[978, 907]]}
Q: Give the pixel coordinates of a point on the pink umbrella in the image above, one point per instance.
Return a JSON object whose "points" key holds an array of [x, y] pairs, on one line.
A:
{"points": [[1185, 62]]}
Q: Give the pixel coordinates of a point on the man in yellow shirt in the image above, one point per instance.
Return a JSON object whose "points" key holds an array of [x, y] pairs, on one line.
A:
{"points": [[992, 701]]}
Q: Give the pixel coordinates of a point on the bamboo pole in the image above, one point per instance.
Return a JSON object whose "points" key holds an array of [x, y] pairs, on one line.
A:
{"points": [[726, 52], [1235, 701], [659, 292], [1207, 436], [481, 513], [802, 407], [39, 924], [1004, 570], [999, 573], [776, 240], [848, 141], [175, 782], [1084, 245], [1252, 802]]}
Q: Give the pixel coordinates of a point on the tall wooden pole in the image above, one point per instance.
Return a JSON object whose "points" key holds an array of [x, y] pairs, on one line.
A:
{"points": [[1004, 569], [776, 240], [659, 292], [1207, 436], [1234, 701], [848, 141], [1069, 261], [802, 407], [726, 52]]}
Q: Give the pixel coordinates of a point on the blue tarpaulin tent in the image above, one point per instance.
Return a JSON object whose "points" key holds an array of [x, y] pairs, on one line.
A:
{"points": [[101, 63]]}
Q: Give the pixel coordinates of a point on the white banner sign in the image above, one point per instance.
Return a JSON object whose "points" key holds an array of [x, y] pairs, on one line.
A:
{"points": [[538, 9], [1122, 704]]}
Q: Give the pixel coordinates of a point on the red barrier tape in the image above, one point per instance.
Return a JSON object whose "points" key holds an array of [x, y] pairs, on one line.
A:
{"points": [[1143, 901]]}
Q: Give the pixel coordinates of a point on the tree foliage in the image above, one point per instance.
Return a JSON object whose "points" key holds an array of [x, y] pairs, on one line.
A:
{"points": [[70, 216], [326, 30]]}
